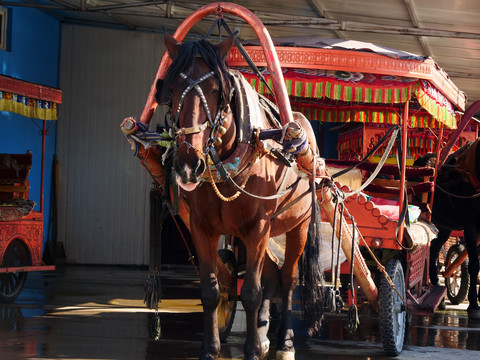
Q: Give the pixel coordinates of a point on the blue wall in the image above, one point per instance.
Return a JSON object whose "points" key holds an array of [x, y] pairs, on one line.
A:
{"points": [[33, 56]]}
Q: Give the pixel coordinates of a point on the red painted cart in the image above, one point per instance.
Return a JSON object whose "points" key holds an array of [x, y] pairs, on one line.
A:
{"points": [[21, 227], [390, 263]]}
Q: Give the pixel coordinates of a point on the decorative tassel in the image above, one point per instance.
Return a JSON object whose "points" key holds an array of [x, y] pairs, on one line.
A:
{"points": [[152, 291], [353, 320]]}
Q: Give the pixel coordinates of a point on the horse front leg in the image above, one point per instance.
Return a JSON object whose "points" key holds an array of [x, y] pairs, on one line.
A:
{"points": [[206, 248], [251, 293], [435, 246], [269, 284], [471, 234], [296, 240]]}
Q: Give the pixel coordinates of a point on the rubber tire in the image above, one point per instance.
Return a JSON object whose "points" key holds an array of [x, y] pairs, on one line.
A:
{"points": [[228, 306], [11, 284], [457, 297], [393, 317]]}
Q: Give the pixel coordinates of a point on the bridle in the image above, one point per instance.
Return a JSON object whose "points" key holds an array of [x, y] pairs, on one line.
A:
{"points": [[215, 124]]}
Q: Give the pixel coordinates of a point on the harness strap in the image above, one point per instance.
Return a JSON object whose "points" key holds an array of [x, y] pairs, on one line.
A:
{"points": [[371, 152], [194, 84], [226, 177], [247, 58], [193, 129]]}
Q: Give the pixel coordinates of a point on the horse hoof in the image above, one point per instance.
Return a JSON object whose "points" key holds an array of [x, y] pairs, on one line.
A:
{"points": [[474, 314], [285, 355], [442, 305], [208, 356]]}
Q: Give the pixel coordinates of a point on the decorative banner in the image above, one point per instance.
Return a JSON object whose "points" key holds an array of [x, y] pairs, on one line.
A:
{"points": [[29, 99], [18, 104]]}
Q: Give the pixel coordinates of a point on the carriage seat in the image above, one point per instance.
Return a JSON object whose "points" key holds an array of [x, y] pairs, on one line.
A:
{"points": [[14, 171], [387, 185]]}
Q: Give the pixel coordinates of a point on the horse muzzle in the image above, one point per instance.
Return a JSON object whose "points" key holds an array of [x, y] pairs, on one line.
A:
{"points": [[187, 175]]}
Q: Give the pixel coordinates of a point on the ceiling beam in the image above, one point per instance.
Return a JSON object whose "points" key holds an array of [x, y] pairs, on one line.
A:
{"points": [[125, 5], [410, 4], [319, 8], [285, 20], [66, 4]]}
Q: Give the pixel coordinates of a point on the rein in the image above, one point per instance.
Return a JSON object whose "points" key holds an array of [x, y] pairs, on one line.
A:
{"points": [[457, 196]]}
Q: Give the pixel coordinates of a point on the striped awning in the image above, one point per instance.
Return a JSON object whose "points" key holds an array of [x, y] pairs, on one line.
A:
{"points": [[357, 97]]}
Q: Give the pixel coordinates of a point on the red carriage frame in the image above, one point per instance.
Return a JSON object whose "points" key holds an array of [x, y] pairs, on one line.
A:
{"points": [[25, 232]]}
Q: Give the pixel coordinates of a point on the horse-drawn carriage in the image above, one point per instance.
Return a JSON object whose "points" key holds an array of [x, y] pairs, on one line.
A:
{"points": [[236, 175], [21, 227]]}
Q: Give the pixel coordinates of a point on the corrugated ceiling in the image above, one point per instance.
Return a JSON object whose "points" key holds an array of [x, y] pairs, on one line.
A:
{"points": [[446, 30]]}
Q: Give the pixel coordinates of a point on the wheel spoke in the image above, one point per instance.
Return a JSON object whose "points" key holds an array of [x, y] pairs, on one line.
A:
{"points": [[3, 283], [11, 283]]}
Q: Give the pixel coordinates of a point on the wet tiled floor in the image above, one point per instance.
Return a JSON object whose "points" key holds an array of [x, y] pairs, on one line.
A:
{"points": [[83, 312]]}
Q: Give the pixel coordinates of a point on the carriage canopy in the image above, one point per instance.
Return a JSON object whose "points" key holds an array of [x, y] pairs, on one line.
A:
{"points": [[350, 81]]}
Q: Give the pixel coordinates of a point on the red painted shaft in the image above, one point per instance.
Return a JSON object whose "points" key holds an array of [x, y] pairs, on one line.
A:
{"points": [[467, 116], [271, 57], [360, 269]]}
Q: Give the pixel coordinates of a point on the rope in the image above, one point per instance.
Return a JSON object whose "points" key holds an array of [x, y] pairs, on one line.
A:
{"points": [[381, 268], [377, 169], [457, 196], [191, 258], [217, 191]]}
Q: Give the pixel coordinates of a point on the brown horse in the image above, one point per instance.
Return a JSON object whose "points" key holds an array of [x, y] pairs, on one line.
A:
{"points": [[456, 206], [211, 139]]}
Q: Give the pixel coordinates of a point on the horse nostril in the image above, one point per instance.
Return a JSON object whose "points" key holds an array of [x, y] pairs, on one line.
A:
{"points": [[200, 167]]}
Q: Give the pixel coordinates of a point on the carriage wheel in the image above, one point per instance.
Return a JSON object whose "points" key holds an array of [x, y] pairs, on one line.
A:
{"points": [[457, 284], [392, 311], [11, 284], [228, 305]]}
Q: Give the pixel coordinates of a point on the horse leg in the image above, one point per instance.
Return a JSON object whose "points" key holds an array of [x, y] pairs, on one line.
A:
{"points": [[251, 293], [471, 234], [269, 284], [296, 240], [435, 246], [206, 248]]}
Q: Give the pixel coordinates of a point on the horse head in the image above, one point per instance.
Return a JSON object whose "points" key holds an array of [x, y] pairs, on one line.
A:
{"points": [[197, 89]]}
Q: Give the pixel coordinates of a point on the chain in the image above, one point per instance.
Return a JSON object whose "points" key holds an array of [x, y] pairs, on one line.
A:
{"points": [[381, 268]]}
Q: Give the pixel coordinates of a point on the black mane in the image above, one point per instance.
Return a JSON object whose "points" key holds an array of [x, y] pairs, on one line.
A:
{"points": [[184, 61]]}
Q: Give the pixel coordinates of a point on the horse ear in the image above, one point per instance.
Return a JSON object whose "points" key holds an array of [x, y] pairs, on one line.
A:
{"points": [[225, 46], [171, 44]]}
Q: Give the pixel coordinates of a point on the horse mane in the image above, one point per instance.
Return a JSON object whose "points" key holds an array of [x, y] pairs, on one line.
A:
{"points": [[184, 61]]}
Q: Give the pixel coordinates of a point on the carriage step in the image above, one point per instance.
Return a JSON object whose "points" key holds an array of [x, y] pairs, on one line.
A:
{"points": [[433, 298]]}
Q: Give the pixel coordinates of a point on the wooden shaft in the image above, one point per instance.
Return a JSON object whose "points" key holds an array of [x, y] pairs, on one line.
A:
{"points": [[403, 167], [467, 116], [437, 162], [458, 261], [360, 270]]}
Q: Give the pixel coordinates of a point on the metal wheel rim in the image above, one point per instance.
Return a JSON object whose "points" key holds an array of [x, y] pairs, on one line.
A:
{"points": [[11, 283], [399, 315]]}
